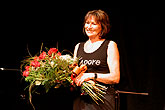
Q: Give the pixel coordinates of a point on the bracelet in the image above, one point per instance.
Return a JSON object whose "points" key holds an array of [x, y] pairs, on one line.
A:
{"points": [[95, 77]]}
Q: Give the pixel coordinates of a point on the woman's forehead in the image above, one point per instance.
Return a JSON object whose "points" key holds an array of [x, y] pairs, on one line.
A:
{"points": [[92, 18]]}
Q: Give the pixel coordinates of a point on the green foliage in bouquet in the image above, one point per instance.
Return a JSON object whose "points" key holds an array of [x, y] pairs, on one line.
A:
{"points": [[49, 69], [52, 69]]}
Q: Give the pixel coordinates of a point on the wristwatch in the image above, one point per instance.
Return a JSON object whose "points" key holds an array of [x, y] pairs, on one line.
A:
{"points": [[95, 77]]}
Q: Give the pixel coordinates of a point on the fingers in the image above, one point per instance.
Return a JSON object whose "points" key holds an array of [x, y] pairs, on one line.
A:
{"points": [[80, 79], [83, 77]]}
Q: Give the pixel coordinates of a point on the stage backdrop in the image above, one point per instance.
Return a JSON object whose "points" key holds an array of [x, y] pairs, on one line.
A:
{"points": [[137, 31]]}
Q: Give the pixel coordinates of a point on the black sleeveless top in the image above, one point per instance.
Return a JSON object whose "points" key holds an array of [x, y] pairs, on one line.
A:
{"points": [[95, 61]]}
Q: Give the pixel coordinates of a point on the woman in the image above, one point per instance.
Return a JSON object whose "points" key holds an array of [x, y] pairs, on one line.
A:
{"points": [[101, 56]]}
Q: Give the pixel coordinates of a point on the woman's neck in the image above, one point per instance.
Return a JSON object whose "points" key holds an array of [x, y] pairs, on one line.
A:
{"points": [[95, 39]]}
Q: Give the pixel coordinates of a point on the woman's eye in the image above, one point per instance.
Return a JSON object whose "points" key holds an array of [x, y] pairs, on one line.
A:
{"points": [[87, 22], [93, 23]]}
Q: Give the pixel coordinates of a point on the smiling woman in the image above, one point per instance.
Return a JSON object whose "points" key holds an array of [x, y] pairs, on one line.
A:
{"points": [[101, 57]]}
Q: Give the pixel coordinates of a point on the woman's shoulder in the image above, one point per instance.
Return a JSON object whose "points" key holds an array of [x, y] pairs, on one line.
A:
{"points": [[77, 45], [76, 48], [80, 43], [112, 46], [112, 43]]}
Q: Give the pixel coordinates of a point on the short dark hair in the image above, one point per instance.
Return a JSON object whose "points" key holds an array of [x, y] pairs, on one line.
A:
{"points": [[102, 18]]}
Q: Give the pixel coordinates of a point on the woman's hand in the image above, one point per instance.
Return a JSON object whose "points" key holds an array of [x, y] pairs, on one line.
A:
{"points": [[83, 77]]}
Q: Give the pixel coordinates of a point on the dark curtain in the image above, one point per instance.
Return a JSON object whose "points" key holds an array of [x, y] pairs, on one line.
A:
{"points": [[137, 31]]}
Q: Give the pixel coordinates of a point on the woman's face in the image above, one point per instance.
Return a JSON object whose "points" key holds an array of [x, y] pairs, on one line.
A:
{"points": [[92, 27]]}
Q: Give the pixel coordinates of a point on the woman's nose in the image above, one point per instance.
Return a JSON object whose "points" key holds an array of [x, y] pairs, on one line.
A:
{"points": [[90, 25]]}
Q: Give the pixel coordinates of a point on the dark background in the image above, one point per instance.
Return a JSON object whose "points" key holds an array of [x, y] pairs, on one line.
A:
{"points": [[137, 29]]}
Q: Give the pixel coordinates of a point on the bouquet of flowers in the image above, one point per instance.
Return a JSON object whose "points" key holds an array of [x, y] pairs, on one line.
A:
{"points": [[51, 69]]}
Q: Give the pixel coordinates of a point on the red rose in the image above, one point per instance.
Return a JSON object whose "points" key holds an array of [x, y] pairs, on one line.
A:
{"points": [[36, 58], [42, 55], [73, 76], [26, 73], [35, 63], [59, 54], [52, 51], [27, 68]]}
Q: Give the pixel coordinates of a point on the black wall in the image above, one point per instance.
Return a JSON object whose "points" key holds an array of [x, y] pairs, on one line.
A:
{"points": [[136, 29]]}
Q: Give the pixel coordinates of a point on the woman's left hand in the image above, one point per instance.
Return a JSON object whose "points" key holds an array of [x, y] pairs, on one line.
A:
{"points": [[83, 77]]}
